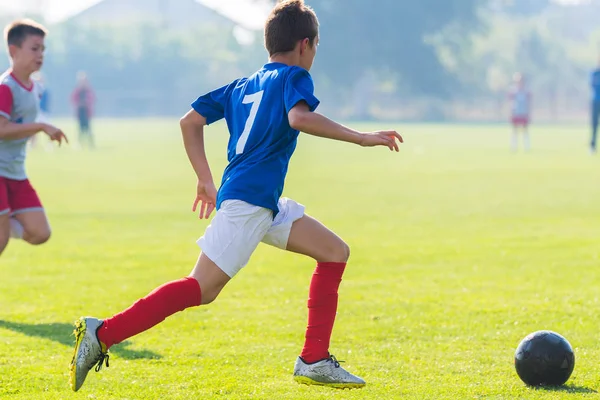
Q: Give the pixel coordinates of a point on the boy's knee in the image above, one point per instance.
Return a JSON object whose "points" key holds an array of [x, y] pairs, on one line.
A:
{"points": [[37, 237], [208, 296], [344, 251], [340, 252], [209, 291]]}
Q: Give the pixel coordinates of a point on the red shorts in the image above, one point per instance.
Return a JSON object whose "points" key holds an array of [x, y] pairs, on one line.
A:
{"points": [[522, 120], [17, 197]]}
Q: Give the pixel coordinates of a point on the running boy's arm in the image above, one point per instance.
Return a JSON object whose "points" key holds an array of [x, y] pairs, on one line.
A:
{"points": [[192, 128], [300, 104], [205, 110], [11, 131], [303, 119]]}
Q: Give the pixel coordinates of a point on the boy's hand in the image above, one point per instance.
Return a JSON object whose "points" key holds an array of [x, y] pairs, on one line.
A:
{"points": [[381, 138], [55, 134], [207, 197]]}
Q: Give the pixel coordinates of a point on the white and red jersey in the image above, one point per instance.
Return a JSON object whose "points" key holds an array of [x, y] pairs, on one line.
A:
{"points": [[521, 102], [19, 104]]}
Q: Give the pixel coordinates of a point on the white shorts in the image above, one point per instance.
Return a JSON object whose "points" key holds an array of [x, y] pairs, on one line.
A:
{"points": [[238, 227]]}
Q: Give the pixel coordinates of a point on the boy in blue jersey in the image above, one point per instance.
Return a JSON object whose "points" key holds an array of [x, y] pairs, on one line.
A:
{"points": [[264, 114]]}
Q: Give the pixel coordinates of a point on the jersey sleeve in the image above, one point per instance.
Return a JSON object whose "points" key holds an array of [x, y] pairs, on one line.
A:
{"points": [[212, 105], [299, 87], [6, 101]]}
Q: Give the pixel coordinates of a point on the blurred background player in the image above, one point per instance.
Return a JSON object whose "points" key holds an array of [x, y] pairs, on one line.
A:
{"points": [[44, 106], [520, 98], [595, 108], [21, 213], [83, 99]]}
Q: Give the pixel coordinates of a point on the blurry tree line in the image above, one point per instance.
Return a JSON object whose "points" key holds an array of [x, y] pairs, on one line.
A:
{"points": [[141, 70], [555, 46], [427, 59]]}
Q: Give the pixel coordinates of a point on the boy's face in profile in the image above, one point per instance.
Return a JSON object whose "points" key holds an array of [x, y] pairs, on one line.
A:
{"points": [[29, 56]]}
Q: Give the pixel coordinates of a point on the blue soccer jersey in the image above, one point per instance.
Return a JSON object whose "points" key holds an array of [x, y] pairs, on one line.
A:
{"points": [[261, 140]]}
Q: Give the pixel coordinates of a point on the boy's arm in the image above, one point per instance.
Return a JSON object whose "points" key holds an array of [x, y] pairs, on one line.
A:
{"points": [[12, 131], [301, 118], [192, 129]]}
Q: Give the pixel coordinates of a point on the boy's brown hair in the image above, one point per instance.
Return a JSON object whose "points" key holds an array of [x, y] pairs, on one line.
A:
{"points": [[289, 22], [16, 32]]}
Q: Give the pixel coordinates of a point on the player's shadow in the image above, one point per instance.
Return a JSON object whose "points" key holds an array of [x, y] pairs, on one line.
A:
{"points": [[567, 389], [63, 334]]}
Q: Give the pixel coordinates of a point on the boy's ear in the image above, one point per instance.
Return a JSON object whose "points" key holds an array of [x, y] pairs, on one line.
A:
{"points": [[12, 50], [304, 43]]}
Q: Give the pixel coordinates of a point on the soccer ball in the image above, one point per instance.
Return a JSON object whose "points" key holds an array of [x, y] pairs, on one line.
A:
{"points": [[544, 358]]}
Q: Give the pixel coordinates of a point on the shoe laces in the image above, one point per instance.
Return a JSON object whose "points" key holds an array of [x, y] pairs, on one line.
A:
{"points": [[102, 359], [335, 361]]}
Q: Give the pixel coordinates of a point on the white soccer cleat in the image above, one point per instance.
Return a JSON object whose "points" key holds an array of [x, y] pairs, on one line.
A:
{"points": [[327, 372], [89, 351]]}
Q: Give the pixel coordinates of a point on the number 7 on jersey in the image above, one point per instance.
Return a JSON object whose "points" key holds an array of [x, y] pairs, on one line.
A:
{"points": [[255, 100]]}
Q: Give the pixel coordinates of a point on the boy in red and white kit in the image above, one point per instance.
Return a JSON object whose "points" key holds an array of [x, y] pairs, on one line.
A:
{"points": [[21, 213], [520, 98]]}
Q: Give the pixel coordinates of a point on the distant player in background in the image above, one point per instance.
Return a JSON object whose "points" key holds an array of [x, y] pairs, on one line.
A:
{"points": [[21, 213], [520, 99], [44, 93], [83, 99], [44, 105], [595, 108]]}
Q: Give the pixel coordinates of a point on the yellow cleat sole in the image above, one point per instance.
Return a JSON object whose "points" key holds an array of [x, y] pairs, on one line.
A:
{"points": [[79, 332], [307, 381]]}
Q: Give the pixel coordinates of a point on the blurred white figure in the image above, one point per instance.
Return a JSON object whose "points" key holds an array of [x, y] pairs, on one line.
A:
{"points": [[520, 98]]}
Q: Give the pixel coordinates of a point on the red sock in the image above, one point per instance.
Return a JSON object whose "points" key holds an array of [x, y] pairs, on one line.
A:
{"points": [[322, 306], [164, 301]]}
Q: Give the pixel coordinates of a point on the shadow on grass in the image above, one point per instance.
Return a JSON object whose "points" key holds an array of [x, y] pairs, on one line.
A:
{"points": [[566, 389], [63, 334]]}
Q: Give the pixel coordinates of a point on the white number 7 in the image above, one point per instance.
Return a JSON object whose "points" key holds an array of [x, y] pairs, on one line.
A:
{"points": [[255, 100]]}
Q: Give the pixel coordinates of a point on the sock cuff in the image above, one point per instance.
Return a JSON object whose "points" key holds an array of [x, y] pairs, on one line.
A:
{"points": [[194, 287], [332, 265], [16, 229]]}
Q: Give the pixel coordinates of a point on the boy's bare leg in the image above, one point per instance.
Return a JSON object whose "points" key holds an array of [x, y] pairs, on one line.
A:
{"points": [[4, 231], [514, 142], [316, 366], [311, 238], [35, 226], [526, 138], [210, 277]]}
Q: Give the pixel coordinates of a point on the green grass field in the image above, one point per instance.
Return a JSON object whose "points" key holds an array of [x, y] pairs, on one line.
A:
{"points": [[459, 250]]}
